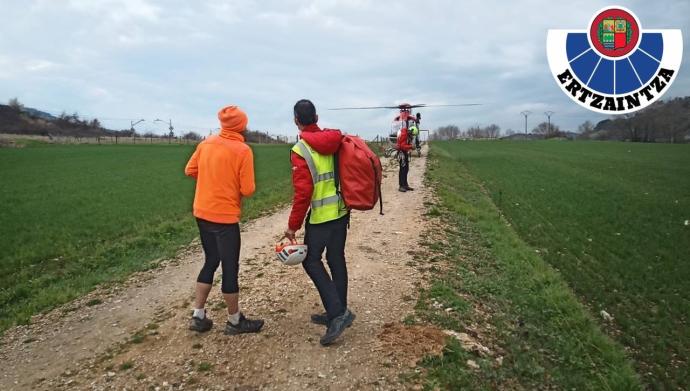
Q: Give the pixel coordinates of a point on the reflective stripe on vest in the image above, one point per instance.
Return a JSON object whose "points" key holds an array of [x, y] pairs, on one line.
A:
{"points": [[326, 203]]}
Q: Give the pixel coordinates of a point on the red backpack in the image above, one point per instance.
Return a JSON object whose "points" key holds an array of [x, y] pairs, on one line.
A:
{"points": [[358, 174]]}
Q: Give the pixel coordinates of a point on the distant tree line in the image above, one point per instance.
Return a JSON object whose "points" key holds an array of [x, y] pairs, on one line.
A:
{"points": [[263, 137], [453, 132], [15, 118], [18, 119], [71, 121], [665, 121]]}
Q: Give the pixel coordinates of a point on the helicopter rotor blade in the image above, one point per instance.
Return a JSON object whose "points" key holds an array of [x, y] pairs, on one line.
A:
{"points": [[425, 105], [405, 106], [364, 108], [458, 105]]}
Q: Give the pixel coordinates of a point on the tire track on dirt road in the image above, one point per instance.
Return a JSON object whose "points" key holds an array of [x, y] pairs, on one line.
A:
{"points": [[92, 347]]}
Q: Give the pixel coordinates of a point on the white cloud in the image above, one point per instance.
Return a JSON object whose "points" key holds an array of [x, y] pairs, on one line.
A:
{"points": [[118, 10], [40, 65], [183, 60]]}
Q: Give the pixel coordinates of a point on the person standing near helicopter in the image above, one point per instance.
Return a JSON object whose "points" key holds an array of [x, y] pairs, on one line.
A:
{"points": [[404, 147]]}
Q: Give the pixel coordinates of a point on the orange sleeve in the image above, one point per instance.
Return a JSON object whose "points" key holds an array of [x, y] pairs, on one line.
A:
{"points": [[192, 168], [247, 185]]}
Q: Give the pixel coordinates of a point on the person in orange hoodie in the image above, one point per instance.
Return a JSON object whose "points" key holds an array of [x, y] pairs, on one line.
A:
{"points": [[224, 170]]}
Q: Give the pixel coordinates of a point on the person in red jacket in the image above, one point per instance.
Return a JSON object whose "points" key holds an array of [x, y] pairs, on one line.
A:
{"points": [[327, 218], [223, 167], [404, 147]]}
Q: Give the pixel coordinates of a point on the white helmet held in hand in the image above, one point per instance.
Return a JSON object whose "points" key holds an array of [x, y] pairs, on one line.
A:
{"points": [[291, 254]]}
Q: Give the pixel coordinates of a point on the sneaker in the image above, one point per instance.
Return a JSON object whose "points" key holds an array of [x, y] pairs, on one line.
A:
{"points": [[244, 326], [200, 325], [336, 327], [322, 319], [402, 189], [408, 188]]}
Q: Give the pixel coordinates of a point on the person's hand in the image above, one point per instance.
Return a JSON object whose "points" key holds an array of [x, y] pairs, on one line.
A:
{"points": [[290, 235]]}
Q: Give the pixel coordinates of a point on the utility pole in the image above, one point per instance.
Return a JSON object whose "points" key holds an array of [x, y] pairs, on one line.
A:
{"points": [[132, 124], [548, 115], [170, 128], [526, 113]]}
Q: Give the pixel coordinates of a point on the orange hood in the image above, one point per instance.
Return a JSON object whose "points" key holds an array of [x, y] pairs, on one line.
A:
{"points": [[232, 122]]}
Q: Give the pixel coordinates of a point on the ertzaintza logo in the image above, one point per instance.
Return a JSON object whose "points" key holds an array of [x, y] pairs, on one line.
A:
{"points": [[614, 67]]}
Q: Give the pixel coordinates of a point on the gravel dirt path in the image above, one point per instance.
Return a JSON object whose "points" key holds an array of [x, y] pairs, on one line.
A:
{"points": [[134, 335]]}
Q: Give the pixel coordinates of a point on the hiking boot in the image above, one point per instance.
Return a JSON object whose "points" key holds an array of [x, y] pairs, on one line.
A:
{"points": [[408, 188], [336, 327], [350, 318], [402, 189], [322, 319], [200, 325], [244, 326]]}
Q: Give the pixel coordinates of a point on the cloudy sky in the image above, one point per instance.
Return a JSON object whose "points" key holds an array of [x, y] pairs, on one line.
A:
{"points": [[182, 60]]}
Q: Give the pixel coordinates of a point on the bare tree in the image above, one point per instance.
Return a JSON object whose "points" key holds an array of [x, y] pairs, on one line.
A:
{"points": [[493, 131], [191, 136], [586, 128], [448, 132], [547, 131], [15, 104], [475, 132]]}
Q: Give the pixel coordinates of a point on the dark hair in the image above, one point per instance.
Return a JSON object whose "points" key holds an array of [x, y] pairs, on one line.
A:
{"points": [[305, 112]]}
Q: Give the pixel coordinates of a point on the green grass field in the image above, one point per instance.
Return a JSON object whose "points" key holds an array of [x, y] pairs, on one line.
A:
{"points": [[73, 217], [610, 217]]}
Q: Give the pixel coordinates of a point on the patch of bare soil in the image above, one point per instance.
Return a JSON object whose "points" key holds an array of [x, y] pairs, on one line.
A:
{"points": [[412, 343]]}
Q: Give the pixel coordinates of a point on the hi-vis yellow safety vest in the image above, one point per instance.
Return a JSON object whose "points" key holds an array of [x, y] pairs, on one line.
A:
{"points": [[326, 203]]}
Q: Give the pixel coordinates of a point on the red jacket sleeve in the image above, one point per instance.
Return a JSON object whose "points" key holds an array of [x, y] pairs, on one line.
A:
{"points": [[304, 187], [402, 141]]}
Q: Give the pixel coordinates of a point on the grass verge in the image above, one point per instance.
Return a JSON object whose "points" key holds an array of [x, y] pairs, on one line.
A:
{"points": [[502, 292], [612, 218]]}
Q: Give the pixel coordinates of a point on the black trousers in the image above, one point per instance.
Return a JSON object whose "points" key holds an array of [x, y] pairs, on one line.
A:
{"points": [[404, 159], [221, 243], [332, 288]]}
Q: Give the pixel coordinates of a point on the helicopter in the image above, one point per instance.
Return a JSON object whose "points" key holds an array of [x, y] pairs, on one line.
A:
{"points": [[405, 119]]}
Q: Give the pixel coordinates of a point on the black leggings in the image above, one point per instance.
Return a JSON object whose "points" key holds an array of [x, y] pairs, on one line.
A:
{"points": [[221, 243], [330, 236], [404, 161]]}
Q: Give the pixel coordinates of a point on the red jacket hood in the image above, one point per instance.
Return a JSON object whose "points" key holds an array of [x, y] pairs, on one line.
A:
{"points": [[325, 142]]}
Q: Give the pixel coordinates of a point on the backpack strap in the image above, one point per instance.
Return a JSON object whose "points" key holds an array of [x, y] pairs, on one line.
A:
{"points": [[378, 185], [378, 188], [336, 178], [336, 171], [306, 155]]}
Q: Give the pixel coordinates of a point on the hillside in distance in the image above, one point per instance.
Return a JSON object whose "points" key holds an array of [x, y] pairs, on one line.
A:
{"points": [[28, 121]]}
